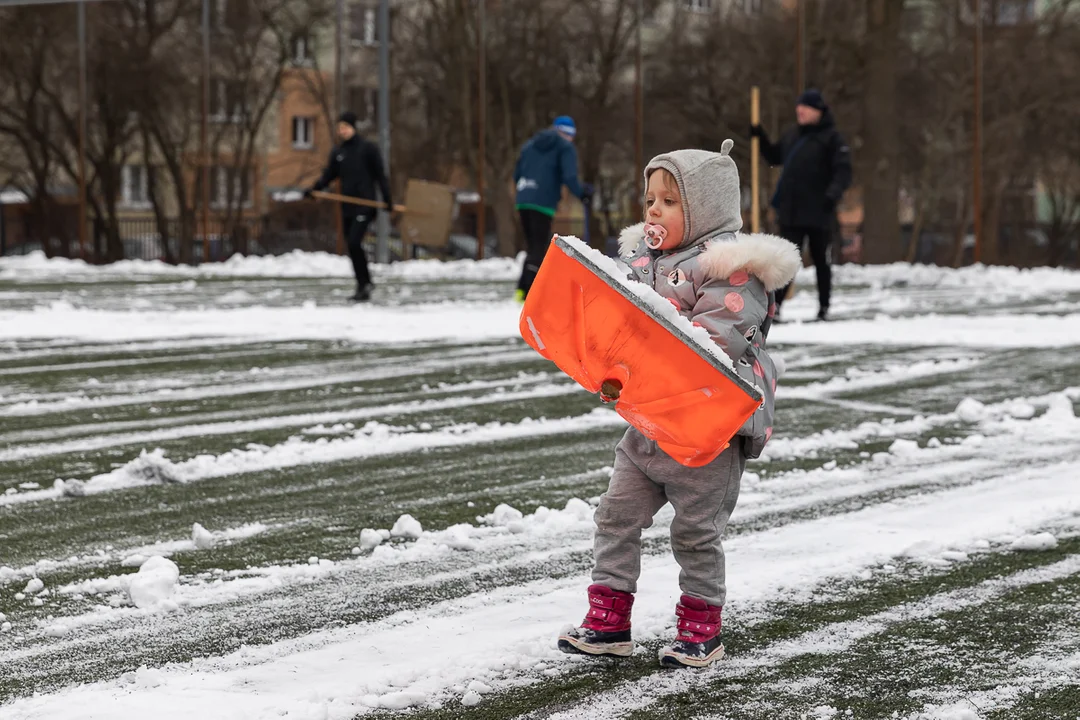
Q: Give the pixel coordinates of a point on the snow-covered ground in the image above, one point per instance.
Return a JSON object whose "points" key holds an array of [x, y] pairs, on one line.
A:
{"points": [[224, 492]]}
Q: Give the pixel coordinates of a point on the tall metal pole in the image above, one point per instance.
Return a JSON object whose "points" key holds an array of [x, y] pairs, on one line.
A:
{"points": [[382, 254], [800, 46], [339, 61], [204, 140], [339, 105], [83, 249], [639, 113], [976, 160], [481, 117]]}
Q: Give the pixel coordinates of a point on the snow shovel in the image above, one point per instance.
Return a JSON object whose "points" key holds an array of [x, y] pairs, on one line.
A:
{"points": [[625, 341], [427, 215]]}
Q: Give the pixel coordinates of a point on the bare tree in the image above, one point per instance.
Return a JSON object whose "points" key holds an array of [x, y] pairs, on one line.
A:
{"points": [[26, 120], [879, 152]]}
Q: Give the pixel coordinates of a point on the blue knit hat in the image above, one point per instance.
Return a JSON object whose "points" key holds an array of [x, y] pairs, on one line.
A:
{"points": [[565, 124]]}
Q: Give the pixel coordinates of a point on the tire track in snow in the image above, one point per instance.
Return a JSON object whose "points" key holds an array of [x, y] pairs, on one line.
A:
{"points": [[392, 369], [372, 440], [53, 433], [278, 422]]}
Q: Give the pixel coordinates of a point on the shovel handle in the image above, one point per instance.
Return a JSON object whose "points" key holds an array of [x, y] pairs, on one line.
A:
{"points": [[356, 201]]}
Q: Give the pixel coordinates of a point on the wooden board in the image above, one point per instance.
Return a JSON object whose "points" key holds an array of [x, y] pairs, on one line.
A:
{"points": [[428, 216]]}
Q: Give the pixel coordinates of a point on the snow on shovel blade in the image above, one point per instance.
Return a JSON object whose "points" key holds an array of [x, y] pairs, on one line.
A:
{"points": [[623, 340]]}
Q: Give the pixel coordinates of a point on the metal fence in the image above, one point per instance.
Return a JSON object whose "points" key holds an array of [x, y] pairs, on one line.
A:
{"points": [[145, 238]]}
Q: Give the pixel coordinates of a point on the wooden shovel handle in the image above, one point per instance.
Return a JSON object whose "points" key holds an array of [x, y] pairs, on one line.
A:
{"points": [[356, 201]]}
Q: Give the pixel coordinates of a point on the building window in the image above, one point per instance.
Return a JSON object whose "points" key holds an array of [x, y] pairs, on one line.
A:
{"points": [[301, 47], [370, 27], [303, 133], [227, 101], [135, 186], [365, 25], [698, 5], [230, 187]]}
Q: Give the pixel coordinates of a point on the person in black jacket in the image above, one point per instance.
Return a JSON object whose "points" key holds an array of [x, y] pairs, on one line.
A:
{"points": [[359, 164], [817, 171]]}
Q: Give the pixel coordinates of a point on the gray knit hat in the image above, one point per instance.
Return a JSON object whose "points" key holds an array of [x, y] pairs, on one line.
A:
{"points": [[709, 185]]}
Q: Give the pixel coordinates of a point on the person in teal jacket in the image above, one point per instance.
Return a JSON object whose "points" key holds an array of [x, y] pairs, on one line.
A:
{"points": [[546, 163]]}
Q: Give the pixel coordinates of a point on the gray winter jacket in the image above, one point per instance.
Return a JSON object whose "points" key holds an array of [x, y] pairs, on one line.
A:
{"points": [[719, 278]]}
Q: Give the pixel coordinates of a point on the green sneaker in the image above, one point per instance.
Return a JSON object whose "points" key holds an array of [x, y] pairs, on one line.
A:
{"points": [[519, 296]]}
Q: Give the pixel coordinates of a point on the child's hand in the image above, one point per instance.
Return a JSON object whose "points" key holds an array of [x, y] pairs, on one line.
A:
{"points": [[655, 235]]}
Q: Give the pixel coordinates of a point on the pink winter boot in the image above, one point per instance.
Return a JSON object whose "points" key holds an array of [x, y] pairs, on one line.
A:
{"points": [[697, 643], [606, 629]]}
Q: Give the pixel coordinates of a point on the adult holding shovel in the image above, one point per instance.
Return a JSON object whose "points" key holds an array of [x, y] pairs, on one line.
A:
{"points": [[359, 165]]}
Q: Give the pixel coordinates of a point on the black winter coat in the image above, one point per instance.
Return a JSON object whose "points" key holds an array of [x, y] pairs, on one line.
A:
{"points": [[359, 165], [817, 171]]}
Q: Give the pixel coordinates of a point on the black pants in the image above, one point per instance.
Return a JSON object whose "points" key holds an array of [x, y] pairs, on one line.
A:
{"points": [[818, 238], [355, 228], [537, 227]]}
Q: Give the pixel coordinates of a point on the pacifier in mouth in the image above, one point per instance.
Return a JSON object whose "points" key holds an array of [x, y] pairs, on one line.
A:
{"points": [[655, 236]]}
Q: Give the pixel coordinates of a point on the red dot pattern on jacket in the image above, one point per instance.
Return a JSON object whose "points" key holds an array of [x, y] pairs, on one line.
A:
{"points": [[733, 301], [739, 278]]}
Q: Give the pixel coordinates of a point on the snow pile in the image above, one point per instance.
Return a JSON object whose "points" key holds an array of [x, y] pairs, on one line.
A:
{"points": [[971, 410], [154, 585], [651, 300], [490, 269], [957, 711], [35, 586], [202, 538], [991, 278], [936, 330], [452, 320], [406, 527], [294, 264], [544, 521], [1040, 541], [370, 539]]}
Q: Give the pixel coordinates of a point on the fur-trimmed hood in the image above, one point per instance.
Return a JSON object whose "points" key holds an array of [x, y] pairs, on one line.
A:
{"points": [[771, 259]]}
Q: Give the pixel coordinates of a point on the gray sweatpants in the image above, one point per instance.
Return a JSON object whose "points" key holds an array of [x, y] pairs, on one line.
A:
{"points": [[645, 479]]}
